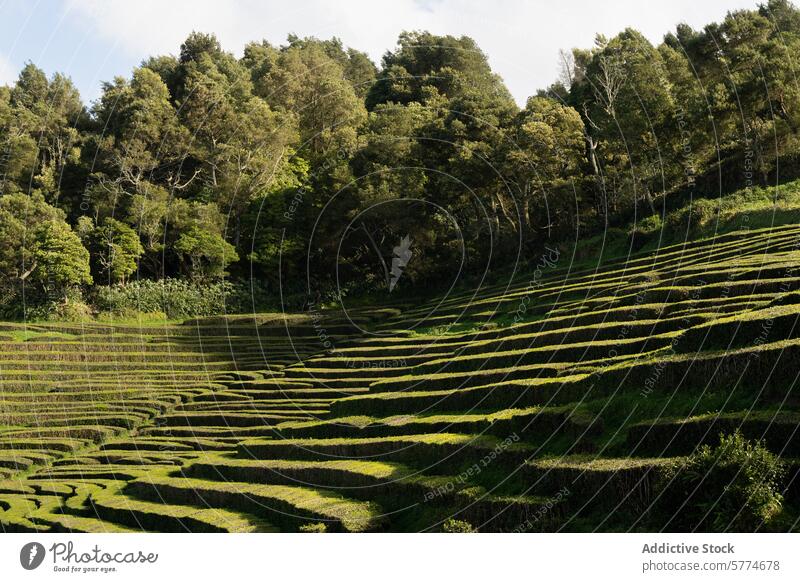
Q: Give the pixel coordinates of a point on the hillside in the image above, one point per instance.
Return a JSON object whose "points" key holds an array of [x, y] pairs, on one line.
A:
{"points": [[551, 403], [248, 178]]}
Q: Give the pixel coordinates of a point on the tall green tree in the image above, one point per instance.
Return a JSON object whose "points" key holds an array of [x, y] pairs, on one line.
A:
{"points": [[40, 124], [543, 161], [117, 249], [38, 249]]}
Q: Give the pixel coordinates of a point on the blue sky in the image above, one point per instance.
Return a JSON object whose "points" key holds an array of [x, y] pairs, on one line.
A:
{"points": [[57, 39], [95, 40]]}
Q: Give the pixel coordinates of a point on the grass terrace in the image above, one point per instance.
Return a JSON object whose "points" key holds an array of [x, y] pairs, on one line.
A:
{"points": [[562, 416]]}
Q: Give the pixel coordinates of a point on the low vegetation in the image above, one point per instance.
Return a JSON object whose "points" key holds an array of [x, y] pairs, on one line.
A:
{"points": [[735, 485]]}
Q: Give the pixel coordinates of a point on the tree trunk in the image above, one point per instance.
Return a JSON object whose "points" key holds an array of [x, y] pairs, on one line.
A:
{"points": [[377, 252], [505, 212], [650, 202], [27, 273], [495, 224], [237, 229], [594, 166]]}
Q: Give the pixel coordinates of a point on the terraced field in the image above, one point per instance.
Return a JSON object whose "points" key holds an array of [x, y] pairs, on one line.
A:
{"points": [[547, 403]]}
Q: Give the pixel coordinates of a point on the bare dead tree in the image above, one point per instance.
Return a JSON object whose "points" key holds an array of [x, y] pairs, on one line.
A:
{"points": [[608, 83], [566, 68]]}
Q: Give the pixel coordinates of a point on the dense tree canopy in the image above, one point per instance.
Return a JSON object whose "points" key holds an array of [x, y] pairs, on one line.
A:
{"points": [[304, 165]]}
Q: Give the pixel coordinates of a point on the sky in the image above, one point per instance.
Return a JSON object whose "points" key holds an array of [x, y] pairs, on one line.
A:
{"points": [[93, 41]]}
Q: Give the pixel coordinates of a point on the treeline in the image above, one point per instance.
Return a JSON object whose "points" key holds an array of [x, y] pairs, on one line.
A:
{"points": [[299, 168]]}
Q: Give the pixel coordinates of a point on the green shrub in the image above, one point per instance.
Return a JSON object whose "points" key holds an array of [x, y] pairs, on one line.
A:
{"points": [[313, 528], [651, 224], [457, 526], [70, 310], [613, 242], [733, 486], [644, 232], [178, 298], [71, 307]]}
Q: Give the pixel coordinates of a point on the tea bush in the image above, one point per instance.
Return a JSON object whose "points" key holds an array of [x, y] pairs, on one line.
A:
{"points": [[733, 486]]}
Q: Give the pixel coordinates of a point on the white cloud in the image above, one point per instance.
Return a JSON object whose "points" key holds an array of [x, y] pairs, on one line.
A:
{"points": [[521, 38], [8, 72]]}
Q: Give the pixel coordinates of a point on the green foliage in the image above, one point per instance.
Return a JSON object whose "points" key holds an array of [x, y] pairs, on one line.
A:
{"points": [[305, 158], [543, 158], [40, 123], [19, 216], [207, 253], [177, 298], [452, 525], [118, 249], [442, 431], [38, 252], [733, 486], [71, 307], [313, 528], [426, 65], [749, 208], [59, 257]]}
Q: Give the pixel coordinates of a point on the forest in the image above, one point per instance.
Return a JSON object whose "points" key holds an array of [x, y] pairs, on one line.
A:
{"points": [[288, 175]]}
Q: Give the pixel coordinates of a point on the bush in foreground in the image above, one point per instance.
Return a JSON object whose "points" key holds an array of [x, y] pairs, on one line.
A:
{"points": [[733, 486]]}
